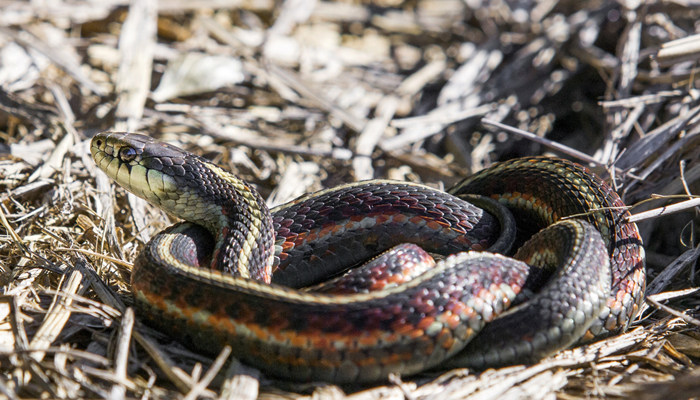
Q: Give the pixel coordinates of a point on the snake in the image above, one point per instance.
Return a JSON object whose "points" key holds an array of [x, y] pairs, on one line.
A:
{"points": [[236, 273]]}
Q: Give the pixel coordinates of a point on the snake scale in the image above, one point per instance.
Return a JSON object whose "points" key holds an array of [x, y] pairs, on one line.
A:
{"points": [[231, 274]]}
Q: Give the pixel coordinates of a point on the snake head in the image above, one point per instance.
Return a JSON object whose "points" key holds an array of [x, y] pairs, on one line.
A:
{"points": [[140, 164], [188, 187]]}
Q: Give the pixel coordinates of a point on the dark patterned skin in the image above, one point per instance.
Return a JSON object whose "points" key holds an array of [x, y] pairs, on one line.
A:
{"points": [[398, 265], [542, 190], [301, 336], [209, 301], [563, 308], [323, 233]]}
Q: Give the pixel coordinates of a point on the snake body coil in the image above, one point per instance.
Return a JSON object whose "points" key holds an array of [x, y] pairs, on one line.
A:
{"points": [[212, 292]]}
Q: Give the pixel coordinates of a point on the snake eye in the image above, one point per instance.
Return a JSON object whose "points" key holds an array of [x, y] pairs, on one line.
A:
{"points": [[127, 154]]}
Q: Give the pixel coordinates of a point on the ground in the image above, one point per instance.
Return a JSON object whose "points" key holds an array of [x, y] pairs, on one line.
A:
{"points": [[299, 95]]}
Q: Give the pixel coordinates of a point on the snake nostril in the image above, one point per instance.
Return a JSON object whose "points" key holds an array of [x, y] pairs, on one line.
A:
{"points": [[98, 143]]}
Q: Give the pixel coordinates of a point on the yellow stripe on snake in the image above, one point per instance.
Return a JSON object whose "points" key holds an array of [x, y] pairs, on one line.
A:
{"points": [[231, 274]]}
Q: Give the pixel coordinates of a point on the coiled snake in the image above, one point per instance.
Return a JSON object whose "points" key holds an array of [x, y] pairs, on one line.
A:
{"points": [[230, 275]]}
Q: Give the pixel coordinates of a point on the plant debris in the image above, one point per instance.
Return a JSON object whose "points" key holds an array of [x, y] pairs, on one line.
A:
{"points": [[300, 95]]}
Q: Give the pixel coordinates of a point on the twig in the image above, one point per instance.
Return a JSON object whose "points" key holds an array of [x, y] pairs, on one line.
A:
{"points": [[677, 51], [665, 210], [75, 353], [98, 255], [26, 39], [58, 315], [371, 135], [250, 139], [295, 82], [672, 270], [136, 45], [210, 375], [685, 317], [122, 354], [15, 237], [546, 142]]}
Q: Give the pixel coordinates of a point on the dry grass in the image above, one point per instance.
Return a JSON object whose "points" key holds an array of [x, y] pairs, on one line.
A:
{"points": [[302, 95]]}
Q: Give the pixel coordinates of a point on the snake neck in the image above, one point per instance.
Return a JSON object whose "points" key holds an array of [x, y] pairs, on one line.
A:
{"points": [[236, 216], [195, 190]]}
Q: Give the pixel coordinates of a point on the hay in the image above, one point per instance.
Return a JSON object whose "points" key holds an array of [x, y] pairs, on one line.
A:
{"points": [[308, 95]]}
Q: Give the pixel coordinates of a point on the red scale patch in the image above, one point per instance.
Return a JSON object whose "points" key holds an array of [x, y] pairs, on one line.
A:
{"points": [[425, 322]]}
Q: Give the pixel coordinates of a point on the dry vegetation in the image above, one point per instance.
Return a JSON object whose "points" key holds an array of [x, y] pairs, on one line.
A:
{"points": [[298, 95]]}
